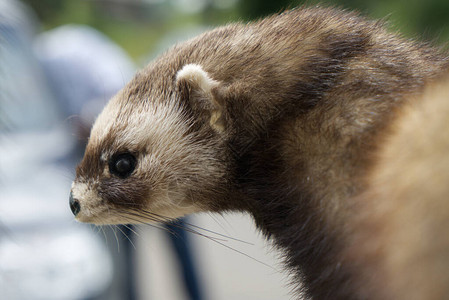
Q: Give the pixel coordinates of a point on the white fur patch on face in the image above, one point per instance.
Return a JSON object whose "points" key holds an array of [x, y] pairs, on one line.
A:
{"points": [[105, 120], [93, 210], [87, 199], [195, 74], [166, 206]]}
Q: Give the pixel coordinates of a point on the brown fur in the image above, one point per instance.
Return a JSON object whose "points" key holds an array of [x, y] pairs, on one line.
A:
{"points": [[279, 118], [400, 240]]}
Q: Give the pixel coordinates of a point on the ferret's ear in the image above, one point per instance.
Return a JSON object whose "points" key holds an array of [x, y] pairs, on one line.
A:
{"points": [[204, 94]]}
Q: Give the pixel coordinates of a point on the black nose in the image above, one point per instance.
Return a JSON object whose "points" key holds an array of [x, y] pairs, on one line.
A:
{"points": [[74, 205]]}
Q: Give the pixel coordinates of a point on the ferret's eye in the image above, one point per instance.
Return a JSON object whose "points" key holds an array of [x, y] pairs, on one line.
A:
{"points": [[122, 165]]}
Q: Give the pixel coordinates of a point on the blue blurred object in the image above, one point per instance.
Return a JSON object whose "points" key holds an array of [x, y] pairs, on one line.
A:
{"points": [[43, 254]]}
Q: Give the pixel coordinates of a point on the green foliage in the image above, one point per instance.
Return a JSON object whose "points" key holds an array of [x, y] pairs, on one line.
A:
{"points": [[46, 9], [414, 18], [255, 9], [138, 26]]}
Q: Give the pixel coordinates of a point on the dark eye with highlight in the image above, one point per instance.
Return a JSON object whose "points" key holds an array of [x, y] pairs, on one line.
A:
{"points": [[122, 165]]}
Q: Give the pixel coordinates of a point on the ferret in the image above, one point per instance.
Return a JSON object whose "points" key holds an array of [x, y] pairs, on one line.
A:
{"points": [[287, 118]]}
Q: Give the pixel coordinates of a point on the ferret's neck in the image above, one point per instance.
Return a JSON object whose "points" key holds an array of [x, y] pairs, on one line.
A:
{"points": [[297, 178]]}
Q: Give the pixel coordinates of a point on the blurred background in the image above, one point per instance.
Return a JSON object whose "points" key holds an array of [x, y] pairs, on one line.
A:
{"points": [[60, 61]]}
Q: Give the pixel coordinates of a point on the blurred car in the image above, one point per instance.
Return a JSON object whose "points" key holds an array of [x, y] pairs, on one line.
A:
{"points": [[44, 254]]}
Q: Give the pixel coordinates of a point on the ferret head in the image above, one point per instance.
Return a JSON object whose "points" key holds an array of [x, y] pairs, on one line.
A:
{"points": [[155, 151]]}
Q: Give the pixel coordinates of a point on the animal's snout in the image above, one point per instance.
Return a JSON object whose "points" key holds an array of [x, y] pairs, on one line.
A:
{"points": [[74, 204]]}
